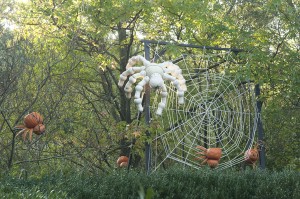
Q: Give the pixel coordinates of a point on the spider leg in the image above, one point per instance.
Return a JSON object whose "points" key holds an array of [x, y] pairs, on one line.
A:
{"points": [[163, 102], [138, 89], [202, 153], [200, 158], [22, 131], [132, 80], [30, 134], [25, 134], [129, 72], [136, 59], [176, 72], [201, 148], [204, 161], [180, 91], [20, 127]]}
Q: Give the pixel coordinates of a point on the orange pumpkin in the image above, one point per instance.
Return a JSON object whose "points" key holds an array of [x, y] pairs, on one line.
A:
{"points": [[211, 153], [39, 129], [251, 156], [136, 134], [122, 161], [214, 153], [124, 164], [33, 119], [212, 163]]}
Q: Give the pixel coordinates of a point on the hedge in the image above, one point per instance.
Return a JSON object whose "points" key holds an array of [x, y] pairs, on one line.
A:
{"points": [[172, 183]]}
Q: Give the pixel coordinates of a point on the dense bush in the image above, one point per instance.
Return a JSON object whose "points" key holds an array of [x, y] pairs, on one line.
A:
{"points": [[173, 183]]}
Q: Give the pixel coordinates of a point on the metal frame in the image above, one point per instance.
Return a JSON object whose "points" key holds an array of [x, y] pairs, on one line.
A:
{"points": [[147, 113], [262, 156]]}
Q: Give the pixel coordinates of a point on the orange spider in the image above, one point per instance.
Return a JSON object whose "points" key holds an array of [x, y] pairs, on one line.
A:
{"points": [[122, 161], [210, 156], [251, 156], [33, 123]]}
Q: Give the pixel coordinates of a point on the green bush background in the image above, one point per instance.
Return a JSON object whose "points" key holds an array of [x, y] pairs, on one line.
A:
{"points": [[173, 183]]}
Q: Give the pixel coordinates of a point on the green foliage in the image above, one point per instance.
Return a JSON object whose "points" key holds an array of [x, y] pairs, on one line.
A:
{"points": [[173, 183]]}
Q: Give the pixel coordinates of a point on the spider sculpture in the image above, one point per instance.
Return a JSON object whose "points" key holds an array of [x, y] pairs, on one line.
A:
{"points": [[155, 75], [33, 123], [251, 156], [210, 156]]}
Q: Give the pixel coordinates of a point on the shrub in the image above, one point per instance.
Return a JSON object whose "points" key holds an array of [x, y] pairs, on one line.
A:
{"points": [[172, 183]]}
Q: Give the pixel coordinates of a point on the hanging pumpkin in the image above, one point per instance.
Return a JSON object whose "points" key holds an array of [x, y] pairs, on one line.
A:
{"points": [[122, 161], [251, 156], [211, 156], [33, 123]]}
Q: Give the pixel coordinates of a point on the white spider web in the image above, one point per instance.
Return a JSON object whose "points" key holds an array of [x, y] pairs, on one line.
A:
{"points": [[219, 111]]}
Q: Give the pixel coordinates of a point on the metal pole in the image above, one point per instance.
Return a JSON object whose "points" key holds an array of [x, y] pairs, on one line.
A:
{"points": [[262, 155], [147, 113], [192, 46]]}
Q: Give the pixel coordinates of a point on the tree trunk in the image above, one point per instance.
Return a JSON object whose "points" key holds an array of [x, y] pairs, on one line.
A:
{"points": [[123, 53]]}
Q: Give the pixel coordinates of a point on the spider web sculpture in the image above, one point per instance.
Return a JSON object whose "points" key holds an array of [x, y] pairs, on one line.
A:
{"points": [[219, 112]]}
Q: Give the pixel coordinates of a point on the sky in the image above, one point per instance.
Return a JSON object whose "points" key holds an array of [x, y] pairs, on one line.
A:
{"points": [[5, 22]]}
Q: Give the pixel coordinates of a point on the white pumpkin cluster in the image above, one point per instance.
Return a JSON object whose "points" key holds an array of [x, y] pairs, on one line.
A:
{"points": [[154, 74]]}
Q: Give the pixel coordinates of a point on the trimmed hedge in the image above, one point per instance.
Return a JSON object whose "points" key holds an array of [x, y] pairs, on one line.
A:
{"points": [[173, 183]]}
